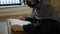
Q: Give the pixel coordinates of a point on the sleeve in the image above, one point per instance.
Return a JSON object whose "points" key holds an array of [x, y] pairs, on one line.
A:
{"points": [[28, 18], [31, 28], [27, 28], [32, 20]]}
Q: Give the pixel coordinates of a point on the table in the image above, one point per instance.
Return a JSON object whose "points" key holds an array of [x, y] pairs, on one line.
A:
{"points": [[19, 32]]}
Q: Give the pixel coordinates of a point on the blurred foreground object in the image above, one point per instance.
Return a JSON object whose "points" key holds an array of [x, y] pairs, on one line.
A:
{"points": [[16, 28], [17, 25]]}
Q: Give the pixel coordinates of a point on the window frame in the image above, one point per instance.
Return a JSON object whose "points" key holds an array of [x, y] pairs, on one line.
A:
{"points": [[11, 4]]}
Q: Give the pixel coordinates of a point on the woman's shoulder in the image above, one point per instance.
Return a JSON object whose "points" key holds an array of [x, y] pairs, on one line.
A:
{"points": [[47, 5]]}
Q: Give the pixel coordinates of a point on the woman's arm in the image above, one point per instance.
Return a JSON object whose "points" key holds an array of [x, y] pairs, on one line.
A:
{"points": [[22, 17], [31, 28], [32, 20]]}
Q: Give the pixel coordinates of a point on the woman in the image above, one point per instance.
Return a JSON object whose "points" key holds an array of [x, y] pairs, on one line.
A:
{"points": [[43, 19]]}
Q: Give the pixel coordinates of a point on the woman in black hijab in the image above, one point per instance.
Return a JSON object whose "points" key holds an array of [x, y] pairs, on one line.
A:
{"points": [[43, 20]]}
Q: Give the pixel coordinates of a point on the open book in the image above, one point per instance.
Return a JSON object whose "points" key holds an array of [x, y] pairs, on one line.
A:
{"points": [[18, 22]]}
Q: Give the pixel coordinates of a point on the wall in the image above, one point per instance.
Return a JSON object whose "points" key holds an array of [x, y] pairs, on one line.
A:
{"points": [[14, 12], [56, 4]]}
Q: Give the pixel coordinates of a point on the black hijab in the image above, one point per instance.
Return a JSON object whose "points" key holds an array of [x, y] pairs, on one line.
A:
{"points": [[32, 5]]}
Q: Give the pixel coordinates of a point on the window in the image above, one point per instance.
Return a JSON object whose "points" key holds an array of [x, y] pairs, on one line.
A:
{"points": [[10, 2]]}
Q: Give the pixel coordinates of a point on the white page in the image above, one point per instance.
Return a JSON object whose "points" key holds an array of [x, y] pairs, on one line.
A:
{"points": [[18, 22]]}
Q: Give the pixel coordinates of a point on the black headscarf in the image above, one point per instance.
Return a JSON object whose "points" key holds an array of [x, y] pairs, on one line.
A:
{"points": [[37, 2], [32, 5]]}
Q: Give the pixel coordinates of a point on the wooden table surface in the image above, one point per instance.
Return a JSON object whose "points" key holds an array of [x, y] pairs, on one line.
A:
{"points": [[18, 32]]}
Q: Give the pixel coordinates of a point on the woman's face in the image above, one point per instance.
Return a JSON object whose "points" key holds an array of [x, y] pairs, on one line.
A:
{"points": [[31, 3]]}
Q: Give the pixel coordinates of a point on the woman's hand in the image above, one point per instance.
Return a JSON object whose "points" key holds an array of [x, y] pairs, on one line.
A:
{"points": [[17, 28], [22, 17]]}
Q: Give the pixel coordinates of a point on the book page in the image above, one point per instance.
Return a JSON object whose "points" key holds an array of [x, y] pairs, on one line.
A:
{"points": [[18, 22]]}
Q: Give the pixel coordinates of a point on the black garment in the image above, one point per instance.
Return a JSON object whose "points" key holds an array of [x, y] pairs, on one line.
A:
{"points": [[48, 22], [48, 25], [32, 20], [44, 11], [44, 26]]}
